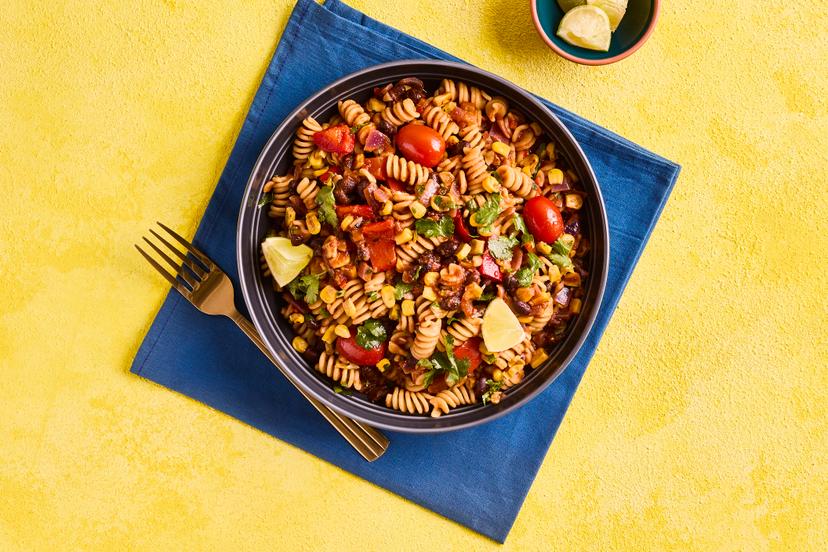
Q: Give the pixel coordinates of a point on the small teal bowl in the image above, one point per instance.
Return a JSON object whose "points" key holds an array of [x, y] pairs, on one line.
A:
{"points": [[635, 28]]}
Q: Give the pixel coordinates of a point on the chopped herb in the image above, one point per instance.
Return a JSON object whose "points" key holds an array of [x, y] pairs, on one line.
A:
{"points": [[564, 244], [563, 261], [357, 128], [486, 215], [520, 226], [325, 200], [371, 334], [435, 228], [417, 271], [487, 295], [400, 289], [451, 320], [527, 273], [489, 358], [501, 247], [266, 199], [341, 390], [444, 362], [373, 296], [306, 288], [492, 388]]}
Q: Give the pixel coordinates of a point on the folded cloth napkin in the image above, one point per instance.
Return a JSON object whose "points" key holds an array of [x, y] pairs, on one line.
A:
{"points": [[478, 477]]}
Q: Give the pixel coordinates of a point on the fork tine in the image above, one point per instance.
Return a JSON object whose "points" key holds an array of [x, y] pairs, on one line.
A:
{"points": [[179, 270], [199, 272], [190, 247], [170, 278]]}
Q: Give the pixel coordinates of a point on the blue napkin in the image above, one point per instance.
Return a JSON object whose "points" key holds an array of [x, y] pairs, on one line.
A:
{"points": [[478, 477]]}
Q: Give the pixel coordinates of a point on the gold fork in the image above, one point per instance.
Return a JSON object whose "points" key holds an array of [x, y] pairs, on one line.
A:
{"points": [[210, 290]]}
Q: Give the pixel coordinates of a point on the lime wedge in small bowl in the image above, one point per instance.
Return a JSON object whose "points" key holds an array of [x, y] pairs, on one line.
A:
{"points": [[615, 10], [567, 5], [284, 259], [587, 27]]}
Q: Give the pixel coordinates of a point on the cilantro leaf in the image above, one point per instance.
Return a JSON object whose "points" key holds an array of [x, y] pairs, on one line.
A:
{"points": [[492, 387], [527, 273], [371, 334], [563, 246], [356, 128], [445, 363], [563, 261], [325, 200], [400, 289], [486, 215], [373, 296], [520, 226], [306, 288], [433, 228], [501, 247], [266, 199]]}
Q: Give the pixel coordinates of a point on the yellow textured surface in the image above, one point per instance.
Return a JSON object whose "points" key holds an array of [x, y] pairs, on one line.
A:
{"points": [[700, 424]]}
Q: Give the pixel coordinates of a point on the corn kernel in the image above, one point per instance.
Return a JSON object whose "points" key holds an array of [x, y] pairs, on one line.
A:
{"points": [[383, 364], [539, 358], [290, 215], [428, 293], [475, 291], [501, 149], [525, 319], [296, 318], [375, 105], [395, 313], [320, 172], [359, 161], [543, 248], [330, 334], [430, 278], [477, 260], [349, 307], [452, 140], [497, 374], [575, 306], [328, 294], [524, 294], [387, 207], [387, 295], [554, 176], [400, 266], [574, 201], [346, 222], [404, 237], [312, 222], [300, 344], [527, 170], [463, 252], [342, 331], [408, 307], [572, 279], [417, 209], [477, 247], [491, 185], [485, 232], [316, 161], [554, 274]]}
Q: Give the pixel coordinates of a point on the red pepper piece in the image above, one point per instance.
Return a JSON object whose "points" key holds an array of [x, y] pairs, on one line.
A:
{"points": [[379, 230], [460, 228], [335, 139], [363, 211]]}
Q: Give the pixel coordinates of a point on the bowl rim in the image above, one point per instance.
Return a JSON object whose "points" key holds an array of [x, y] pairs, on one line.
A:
{"points": [[595, 62], [384, 418]]}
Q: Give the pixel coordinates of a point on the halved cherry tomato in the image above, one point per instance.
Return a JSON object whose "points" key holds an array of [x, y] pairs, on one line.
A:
{"points": [[351, 350], [543, 219], [460, 228], [470, 349], [421, 144], [335, 139], [489, 268], [363, 211], [376, 166], [379, 230]]}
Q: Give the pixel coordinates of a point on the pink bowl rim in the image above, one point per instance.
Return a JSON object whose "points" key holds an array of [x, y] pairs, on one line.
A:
{"points": [[583, 61]]}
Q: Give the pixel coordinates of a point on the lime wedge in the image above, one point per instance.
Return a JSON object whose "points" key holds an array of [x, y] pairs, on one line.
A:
{"points": [[615, 10], [284, 259], [567, 5], [587, 27], [501, 329]]}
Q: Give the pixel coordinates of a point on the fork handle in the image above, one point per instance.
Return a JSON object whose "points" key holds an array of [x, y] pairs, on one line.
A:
{"points": [[369, 442]]}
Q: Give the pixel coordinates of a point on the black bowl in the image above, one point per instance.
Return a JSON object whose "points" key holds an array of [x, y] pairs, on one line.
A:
{"points": [[263, 303]]}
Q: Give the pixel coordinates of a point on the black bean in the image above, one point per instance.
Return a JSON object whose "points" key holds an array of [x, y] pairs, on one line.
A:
{"points": [[480, 386], [522, 308], [510, 283], [450, 302], [429, 261], [348, 161], [472, 277], [448, 249], [457, 149], [386, 128]]}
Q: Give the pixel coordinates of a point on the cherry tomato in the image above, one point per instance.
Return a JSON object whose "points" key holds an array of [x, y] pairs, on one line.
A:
{"points": [[363, 211], [421, 144], [543, 219], [376, 166], [335, 139], [351, 350], [395, 185], [470, 349]]}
